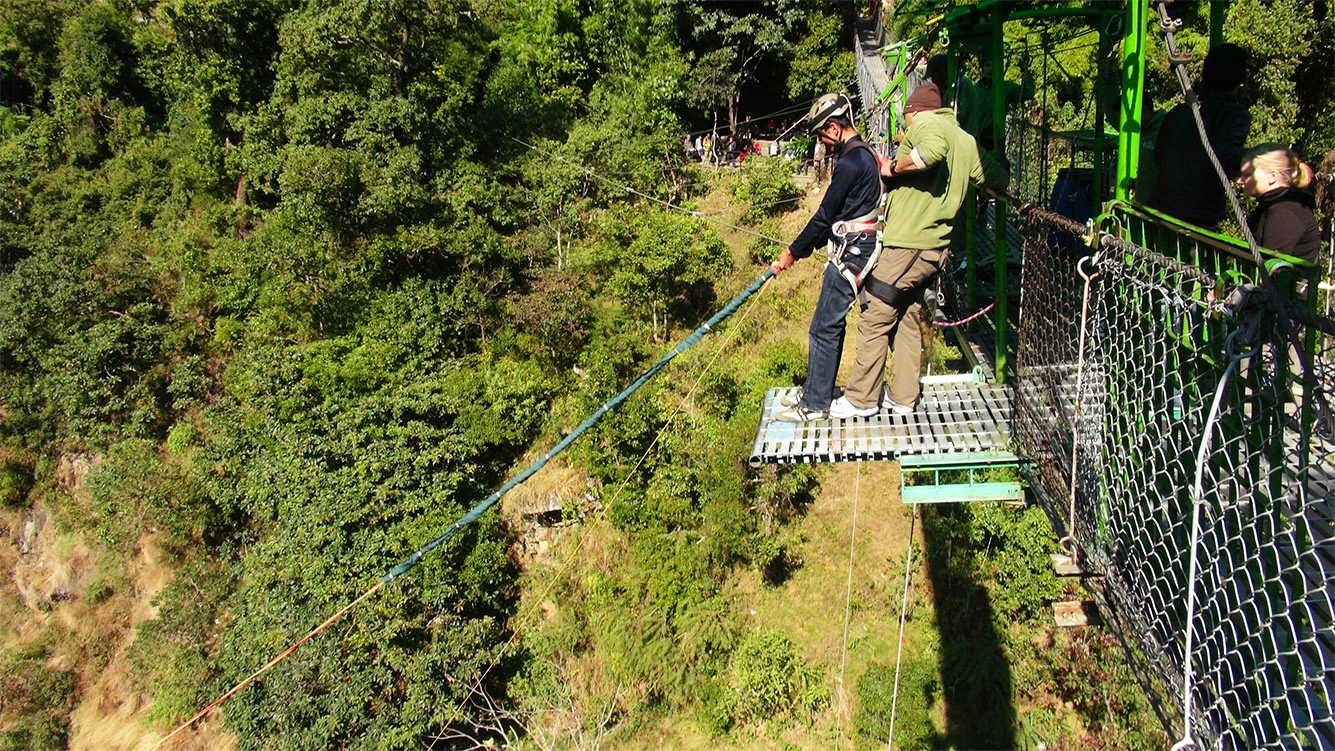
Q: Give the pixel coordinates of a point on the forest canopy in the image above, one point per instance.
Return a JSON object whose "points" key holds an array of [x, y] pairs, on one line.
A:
{"points": [[297, 283]]}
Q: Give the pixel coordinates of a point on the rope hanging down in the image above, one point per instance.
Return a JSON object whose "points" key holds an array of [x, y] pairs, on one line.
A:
{"points": [[1197, 502], [848, 607], [477, 511], [903, 616]]}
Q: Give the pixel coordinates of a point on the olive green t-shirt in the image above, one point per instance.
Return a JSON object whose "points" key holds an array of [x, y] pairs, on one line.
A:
{"points": [[922, 205]]}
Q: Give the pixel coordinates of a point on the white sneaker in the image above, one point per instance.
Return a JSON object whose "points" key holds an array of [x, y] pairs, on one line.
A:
{"points": [[894, 407], [843, 409], [798, 413], [791, 399]]}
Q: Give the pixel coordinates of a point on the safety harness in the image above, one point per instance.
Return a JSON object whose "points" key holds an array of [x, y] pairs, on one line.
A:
{"points": [[845, 232]]}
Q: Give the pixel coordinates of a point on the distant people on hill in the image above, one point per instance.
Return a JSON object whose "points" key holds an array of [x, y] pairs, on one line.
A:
{"points": [[1283, 220], [1188, 187]]}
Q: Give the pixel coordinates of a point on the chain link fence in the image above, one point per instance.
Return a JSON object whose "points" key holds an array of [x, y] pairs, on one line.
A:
{"points": [[1182, 443]]}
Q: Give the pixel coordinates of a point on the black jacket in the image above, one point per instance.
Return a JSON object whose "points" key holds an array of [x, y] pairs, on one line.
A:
{"points": [[854, 191], [1188, 187], [1284, 222]]}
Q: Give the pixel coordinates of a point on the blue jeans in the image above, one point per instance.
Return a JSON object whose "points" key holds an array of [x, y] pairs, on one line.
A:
{"points": [[826, 334]]}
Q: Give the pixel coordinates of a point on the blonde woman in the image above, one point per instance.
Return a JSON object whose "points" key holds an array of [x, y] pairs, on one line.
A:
{"points": [[1283, 219]]}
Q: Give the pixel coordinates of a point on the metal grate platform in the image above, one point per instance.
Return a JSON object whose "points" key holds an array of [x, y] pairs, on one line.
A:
{"points": [[963, 423]]}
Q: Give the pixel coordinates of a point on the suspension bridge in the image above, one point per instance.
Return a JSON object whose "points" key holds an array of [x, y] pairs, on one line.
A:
{"points": [[1167, 393], [1167, 400]]}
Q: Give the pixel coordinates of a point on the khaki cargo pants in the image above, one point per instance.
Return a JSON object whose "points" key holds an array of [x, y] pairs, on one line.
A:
{"points": [[883, 327]]}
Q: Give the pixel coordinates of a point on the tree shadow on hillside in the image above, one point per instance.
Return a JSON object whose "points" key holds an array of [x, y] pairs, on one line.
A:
{"points": [[975, 673], [777, 496]]}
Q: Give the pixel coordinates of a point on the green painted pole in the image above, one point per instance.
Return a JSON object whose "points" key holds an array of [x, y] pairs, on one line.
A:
{"points": [[1218, 13], [999, 212], [1100, 126], [1133, 97]]}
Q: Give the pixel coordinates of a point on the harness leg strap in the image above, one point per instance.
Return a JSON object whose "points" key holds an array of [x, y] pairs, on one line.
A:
{"points": [[886, 292]]}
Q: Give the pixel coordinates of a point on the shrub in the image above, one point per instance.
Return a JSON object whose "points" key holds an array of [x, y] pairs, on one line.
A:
{"points": [[36, 701], [760, 250], [918, 690], [767, 187], [768, 680], [16, 477], [171, 653]]}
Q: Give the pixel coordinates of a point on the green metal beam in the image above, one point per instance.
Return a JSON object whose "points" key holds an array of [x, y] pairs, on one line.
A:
{"points": [[975, 492], [971, 460], [999, 244], [1218, 14], [1133, 96], [1100, 13]]}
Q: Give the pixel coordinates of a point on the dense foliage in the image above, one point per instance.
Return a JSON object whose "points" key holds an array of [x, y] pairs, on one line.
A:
{"points": [[300, 282]]}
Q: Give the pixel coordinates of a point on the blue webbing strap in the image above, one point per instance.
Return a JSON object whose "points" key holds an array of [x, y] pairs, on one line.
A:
{"points": [[481, 508]]}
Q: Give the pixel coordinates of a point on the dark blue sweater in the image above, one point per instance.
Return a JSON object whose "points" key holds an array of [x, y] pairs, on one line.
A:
{"points": [[854, 191]]}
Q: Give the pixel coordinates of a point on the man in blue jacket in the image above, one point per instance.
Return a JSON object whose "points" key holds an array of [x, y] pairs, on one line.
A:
{"points": [[846, 223]]}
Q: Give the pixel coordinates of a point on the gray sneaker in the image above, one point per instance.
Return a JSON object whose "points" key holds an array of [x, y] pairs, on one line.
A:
{"points": [[799, 413]]}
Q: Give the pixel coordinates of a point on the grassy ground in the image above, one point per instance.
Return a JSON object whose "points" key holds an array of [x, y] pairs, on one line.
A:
{"points": [[855, 536]]}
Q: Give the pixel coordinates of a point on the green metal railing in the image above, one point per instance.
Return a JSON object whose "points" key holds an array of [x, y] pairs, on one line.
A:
{"points": [[1191, 441]]}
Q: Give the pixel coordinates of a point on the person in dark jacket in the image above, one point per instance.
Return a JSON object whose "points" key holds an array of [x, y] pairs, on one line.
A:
{"points": [[846, 222], [1283, 220], [1188, 187]]}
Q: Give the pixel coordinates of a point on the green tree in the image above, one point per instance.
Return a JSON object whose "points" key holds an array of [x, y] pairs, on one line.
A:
{"points": [[659, 260], [29, 31], [733, 46], [1271, 83], [769, 680], [821, 61]]}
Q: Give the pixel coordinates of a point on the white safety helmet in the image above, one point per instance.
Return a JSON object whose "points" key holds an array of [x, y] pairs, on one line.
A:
{"points": [[828, 107]]}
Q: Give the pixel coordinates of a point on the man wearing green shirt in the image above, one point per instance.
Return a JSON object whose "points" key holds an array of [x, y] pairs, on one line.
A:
{"points": [[928, 181]]}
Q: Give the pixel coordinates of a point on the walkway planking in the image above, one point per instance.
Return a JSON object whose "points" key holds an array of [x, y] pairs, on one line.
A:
{"points": [[968, 421]]}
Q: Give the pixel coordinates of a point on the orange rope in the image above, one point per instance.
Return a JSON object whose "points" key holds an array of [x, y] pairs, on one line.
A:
{"points": [[277, 659]]}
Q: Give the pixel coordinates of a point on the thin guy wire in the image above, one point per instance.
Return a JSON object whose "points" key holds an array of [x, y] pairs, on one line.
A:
{"points": [[641, 194], [848, 607], [903, 616], [721, 212]]}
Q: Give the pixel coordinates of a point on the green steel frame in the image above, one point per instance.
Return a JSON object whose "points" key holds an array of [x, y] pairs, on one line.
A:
{"points": [[971, 491], [980, 29]]}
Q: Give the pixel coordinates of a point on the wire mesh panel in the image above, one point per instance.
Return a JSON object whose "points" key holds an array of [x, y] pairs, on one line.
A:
{"points": [[1204, 489], [1047, 355]]}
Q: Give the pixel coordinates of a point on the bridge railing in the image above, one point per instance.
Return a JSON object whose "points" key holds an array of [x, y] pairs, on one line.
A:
{"points": [[1183, 444], [1185, 448]]}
